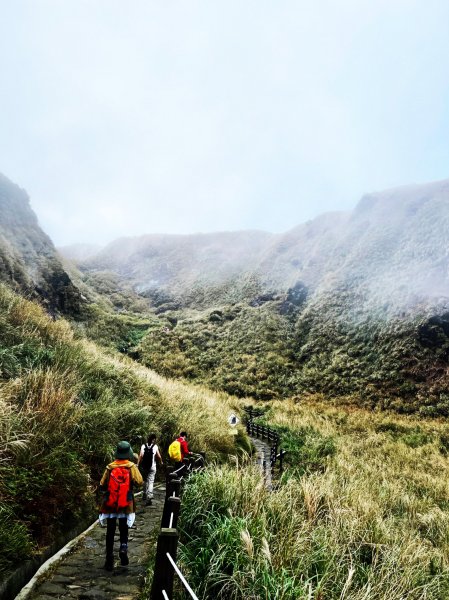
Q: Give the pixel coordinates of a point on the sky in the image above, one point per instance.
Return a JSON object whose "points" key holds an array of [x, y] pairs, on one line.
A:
{"points": [[123, 118]]}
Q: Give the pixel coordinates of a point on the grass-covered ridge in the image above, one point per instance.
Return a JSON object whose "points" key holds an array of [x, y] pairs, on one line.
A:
{"points": [[64, 404], [352, 305], [360, 513], [278, 346]]}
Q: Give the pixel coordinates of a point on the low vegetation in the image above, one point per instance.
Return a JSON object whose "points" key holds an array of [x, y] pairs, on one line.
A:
{"points": [[272, 348], [64, 404], [361, 512]]}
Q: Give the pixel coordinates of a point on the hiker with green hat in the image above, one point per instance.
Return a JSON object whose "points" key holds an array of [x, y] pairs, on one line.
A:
{"points": [[117, 484]]}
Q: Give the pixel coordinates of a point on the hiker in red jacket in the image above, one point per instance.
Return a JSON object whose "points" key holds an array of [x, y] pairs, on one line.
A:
{"points": [[188, 458], [184, 446], [117, 484]]}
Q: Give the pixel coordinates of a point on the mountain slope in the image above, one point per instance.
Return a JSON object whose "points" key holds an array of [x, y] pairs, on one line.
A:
{"points": [[353, 305], [173, 268], [394, 245], [28, 258]]}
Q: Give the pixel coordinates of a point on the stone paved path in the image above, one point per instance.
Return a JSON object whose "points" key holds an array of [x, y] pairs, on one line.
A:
{"points": [[80, 573], [263, 451]]}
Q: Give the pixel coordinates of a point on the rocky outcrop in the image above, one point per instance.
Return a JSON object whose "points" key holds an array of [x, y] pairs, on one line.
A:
{"points": [[28, 259]]}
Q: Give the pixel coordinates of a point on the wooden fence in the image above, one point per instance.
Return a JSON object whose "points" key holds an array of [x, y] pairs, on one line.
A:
{"points": [[165, 566], [265, 433]]}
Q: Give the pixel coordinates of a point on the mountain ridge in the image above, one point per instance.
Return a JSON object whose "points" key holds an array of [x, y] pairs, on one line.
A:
{"points": [[391, 240]]}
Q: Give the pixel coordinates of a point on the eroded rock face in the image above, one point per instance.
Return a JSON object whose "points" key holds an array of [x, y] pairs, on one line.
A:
{"points": [[28, 259]]}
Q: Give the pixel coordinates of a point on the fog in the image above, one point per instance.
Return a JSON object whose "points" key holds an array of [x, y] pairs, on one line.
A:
{"points": [[121, 119]]}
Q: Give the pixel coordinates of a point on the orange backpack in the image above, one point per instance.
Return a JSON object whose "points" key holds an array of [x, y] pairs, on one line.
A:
{"points": [[119, 494]]}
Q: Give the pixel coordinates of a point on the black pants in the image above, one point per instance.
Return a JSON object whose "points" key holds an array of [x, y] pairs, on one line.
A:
{"points": [[110, 533]]}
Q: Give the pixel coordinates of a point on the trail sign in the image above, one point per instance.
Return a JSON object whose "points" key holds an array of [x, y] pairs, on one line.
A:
{"points": [[233, 420]]}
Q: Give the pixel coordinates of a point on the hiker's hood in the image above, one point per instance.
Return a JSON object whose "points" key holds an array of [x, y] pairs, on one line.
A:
{"points": [[119, 463]]}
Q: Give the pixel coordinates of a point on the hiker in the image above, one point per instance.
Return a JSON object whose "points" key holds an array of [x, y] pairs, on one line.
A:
{"points": [[184, 446], [117, 484], [180, 453], [149, 452]]}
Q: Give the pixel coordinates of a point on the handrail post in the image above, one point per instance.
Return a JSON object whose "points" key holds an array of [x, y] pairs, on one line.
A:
{"points": [[172, 506], [167, 542], [173, 487], [282, 453], [168, 474]]}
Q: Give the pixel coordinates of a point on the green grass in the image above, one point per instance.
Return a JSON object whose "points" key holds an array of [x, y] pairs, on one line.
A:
{"points": [[64, 405], [330, 346]]}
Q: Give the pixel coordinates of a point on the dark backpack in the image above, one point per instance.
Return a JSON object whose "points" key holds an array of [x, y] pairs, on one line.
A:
{"points": [[148, 457], [119, 493]]}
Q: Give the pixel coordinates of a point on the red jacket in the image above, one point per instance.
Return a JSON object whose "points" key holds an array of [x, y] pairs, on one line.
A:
{"points": [[184, 447]]}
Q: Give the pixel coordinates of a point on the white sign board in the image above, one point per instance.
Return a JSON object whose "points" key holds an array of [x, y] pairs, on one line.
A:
{"points": [[233, 420]]}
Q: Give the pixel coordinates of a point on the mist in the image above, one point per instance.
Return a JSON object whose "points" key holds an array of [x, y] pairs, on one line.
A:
{"points": [[181, 118]]}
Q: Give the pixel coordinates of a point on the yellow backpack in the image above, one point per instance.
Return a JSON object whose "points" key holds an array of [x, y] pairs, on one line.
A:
{"points": [[174, 451]]}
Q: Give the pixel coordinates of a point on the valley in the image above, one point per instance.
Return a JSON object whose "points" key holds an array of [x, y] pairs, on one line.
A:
{"points": [[340, 338], [353, 305]]}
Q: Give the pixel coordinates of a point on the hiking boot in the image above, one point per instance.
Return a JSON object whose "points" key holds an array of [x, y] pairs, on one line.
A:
{"points": [[149, 502], [123, 553], [109, 564]]}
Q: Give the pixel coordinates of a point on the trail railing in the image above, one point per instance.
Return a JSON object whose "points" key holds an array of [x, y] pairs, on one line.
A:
{"points": [[265, 433], [165, 566]]}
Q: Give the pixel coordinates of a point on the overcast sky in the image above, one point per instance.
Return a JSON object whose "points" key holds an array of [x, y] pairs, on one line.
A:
{"points": [[122, 118]]}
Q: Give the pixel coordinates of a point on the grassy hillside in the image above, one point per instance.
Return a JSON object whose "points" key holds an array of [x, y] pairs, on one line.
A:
{"points": [[177, 270], [238, 349], [361, 512], [64, 405], [353, 305], [392, 247], [281, 346]]}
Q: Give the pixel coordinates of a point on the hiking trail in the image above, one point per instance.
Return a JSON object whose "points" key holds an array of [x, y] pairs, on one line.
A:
{"points": [[80, 573], [262, 459]]}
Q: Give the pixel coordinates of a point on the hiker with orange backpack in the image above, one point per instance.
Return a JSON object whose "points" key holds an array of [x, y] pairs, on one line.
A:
{"points": [[117, 484]]}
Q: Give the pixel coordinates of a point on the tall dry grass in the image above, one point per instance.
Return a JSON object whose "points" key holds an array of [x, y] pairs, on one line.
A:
{"points": [[64, 405], [373, 523]]}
